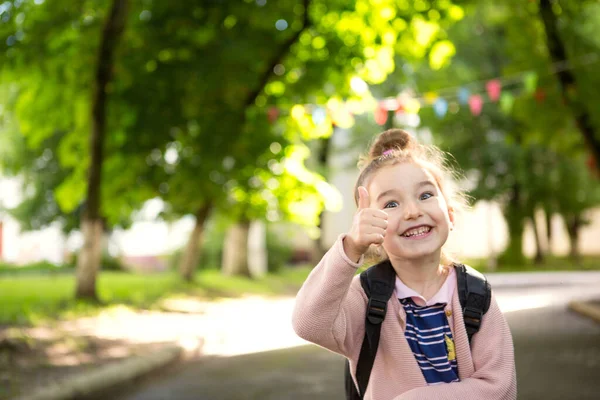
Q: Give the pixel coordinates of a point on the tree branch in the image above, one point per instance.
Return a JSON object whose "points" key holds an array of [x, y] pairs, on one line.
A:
{"points": [[278, 58], [567, 81]]}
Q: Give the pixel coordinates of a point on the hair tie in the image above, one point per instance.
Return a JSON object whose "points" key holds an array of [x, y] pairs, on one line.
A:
{"points": [[385, 153]]}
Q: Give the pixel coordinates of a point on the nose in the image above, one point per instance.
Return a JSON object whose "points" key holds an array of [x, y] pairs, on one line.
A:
{"points": [[411, 210]]}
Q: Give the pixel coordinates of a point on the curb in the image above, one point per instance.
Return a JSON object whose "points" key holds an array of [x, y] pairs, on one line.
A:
{"points": [[586, 309], [109, 376]]}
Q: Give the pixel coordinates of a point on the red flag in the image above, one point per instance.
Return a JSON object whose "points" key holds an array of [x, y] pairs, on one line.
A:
{"points": [[381, 115], [494, 87], [475, 104]]}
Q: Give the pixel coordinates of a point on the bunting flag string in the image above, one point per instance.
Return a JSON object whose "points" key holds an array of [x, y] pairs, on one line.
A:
{"points": [[474, 95]]}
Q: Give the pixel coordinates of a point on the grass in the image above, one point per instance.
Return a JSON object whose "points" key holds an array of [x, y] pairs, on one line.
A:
{"points": [[42, 267], [31, 297]]}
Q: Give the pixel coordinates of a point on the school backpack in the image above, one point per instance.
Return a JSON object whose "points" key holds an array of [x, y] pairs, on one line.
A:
{"points": [[378, 282]]}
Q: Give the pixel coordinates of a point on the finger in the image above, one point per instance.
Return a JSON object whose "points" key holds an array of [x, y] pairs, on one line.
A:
{"points": [[379, 214], [376, 221], [375, 238], [368, 229], [363, 198]]}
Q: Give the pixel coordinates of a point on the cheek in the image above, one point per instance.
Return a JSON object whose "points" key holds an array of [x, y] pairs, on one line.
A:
{"points": [[393, 223], [440, 210]]}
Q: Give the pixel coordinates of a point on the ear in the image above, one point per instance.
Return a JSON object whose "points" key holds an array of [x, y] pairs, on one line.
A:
{"points": [[451, 216]]}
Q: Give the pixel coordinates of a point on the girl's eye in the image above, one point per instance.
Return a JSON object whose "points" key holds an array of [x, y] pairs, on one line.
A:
{"points": [[391, 204], [426, 195]]}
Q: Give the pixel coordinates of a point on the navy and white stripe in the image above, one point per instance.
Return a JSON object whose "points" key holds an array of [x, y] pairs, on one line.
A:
{"points": [[426, 328]]}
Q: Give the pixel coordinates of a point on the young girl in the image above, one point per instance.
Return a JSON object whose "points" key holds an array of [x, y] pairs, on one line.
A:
{"points": [[405, 212]]}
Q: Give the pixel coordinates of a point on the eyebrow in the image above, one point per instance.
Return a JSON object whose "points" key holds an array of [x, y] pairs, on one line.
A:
{"points": [[418, 186], [425, 183]]}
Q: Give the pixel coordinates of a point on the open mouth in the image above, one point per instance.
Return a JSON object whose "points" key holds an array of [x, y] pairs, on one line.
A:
{"points": [[417, 231]]}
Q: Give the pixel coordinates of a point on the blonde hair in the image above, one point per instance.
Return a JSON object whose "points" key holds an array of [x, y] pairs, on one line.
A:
{"points": [[396, 146]]}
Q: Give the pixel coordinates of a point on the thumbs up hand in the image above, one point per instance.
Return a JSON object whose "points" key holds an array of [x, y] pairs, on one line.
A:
{"points": [[368, 227]]}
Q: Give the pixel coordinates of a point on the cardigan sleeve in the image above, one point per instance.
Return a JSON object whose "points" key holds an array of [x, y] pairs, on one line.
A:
{"points": [[493, 358], [330, 307]]}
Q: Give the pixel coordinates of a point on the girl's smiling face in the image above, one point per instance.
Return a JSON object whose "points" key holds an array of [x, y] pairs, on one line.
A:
{"points": [[419, 218]]}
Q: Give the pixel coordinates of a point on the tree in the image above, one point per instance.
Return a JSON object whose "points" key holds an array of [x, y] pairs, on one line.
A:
{"points": [[88, 262], [525, 151], [509, 154], [43, 174], [192, 86], [55, 72], [570, 92], [579, 192], [216, 74], [309, 63]]}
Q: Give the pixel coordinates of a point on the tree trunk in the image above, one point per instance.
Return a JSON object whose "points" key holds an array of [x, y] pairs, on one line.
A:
{"points": [[257, 249], [88, 261], [566, 78], [513, 254], [574, 223], [191, 255], [235, 250], [539, 252], [548, 215]]}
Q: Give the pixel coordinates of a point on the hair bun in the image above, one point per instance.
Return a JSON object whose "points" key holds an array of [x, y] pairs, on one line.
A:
{"points": [[392, 139]]}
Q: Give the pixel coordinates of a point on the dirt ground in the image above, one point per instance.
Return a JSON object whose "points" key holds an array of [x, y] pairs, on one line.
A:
{"points": [[32, 358]]}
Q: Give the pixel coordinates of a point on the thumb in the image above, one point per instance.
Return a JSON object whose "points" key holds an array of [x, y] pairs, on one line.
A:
{"points": [[363, 198]]}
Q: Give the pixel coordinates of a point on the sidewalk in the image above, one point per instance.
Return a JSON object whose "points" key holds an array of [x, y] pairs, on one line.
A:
{"points": [[587, 307], [524, 279]]}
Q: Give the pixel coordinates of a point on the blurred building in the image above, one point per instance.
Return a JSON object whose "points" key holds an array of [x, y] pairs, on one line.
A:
{"points": [[26, 247], [141, 245]]}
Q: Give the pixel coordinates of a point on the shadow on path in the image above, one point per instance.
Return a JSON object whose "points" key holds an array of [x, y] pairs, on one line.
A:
{"points": [[299, 373]]}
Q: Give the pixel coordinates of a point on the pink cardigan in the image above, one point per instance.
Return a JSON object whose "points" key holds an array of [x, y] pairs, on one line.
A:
{"points": [[330, 311]]}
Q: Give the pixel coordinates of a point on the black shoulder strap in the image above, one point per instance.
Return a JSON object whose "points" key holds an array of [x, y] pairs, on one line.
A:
{"points": [[475, 294], [378, 282]]}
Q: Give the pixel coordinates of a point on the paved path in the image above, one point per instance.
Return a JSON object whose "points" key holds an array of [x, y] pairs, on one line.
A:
{"points": [[557, 355]]}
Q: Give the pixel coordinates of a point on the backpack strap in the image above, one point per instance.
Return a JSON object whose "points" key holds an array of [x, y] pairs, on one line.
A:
{"points": [[378, 282], [475, 294]]}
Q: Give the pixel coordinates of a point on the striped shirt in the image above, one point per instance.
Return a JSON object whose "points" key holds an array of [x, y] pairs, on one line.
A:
{"points": [[427, 330], [430, 339]]}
